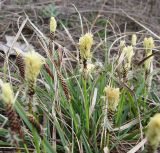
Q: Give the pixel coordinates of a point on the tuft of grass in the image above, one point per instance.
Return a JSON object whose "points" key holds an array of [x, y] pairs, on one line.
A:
{"points": [[77, 124]]}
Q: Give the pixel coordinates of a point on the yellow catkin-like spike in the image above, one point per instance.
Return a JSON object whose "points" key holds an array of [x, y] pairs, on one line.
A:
{"points": [[148, 45], [53, 25], [90, 68], [33, 63], [128, 52], [85, 44], [122, 44], [134, 40], [86, 72], [112, 95], [7, 92], [7, 96], [153, 131], [149, 60]]}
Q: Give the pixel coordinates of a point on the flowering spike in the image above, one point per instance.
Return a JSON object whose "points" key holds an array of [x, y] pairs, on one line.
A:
{"points": [[88, 70], [153, 132], [33, 63], [53, 25], [112, 95], [7, 93], [134, 40], [7, 96], [148, 45], [122, 44], [128, 51], [20, 64], [148, 61], [85, 44]]}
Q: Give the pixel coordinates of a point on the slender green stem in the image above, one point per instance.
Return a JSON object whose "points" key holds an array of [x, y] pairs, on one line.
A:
{"points": [[26, 149], [108, 137], [86, 106], [43, 146]]}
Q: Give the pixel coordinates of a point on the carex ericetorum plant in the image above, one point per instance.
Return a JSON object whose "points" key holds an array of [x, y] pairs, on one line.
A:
{"points": [[33, 62], [85, 44], [15, 131], [92, 104]]}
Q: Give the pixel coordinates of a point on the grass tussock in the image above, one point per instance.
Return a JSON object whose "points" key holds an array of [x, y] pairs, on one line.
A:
{"points": [[68, 101]]}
